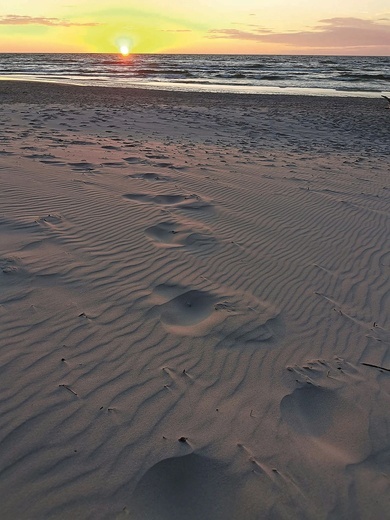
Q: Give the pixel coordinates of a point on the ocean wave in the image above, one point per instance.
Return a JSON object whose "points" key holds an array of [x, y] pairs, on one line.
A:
{"points": [[151, 72], [360, 77], [272, 77], [256, 66], [326, 72], [237, 75]]}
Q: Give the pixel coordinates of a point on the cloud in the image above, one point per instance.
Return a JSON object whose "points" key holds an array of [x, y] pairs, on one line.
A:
{"points": [[14, 19], [253, 27], [330, 33], [237, 34]]}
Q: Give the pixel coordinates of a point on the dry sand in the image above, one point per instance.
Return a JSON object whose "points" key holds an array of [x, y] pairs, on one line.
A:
{"points": [[194, 306]]}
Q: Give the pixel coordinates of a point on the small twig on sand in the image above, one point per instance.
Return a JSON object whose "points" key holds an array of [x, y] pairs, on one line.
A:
{"points": [[376, 366], [68, 388]]}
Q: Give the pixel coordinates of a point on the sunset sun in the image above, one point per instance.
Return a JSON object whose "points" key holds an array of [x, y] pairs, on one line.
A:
{"points": [[124, 50]]}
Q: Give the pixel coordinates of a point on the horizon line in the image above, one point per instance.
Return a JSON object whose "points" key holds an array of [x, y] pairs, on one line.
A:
{"points": [[207, 54]]}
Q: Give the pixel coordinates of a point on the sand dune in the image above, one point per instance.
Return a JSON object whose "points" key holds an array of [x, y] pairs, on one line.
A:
{"points": [[194, 306]]}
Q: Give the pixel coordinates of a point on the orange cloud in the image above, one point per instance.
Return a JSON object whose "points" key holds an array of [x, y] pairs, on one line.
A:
{"points": [[14, 19]]}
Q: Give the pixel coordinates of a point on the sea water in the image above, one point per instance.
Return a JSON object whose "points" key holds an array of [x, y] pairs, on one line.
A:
{"points": [[316, 75]]}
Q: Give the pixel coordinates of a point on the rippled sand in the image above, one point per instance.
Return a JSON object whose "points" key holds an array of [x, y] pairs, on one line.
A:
{"points": [[194, 305]]}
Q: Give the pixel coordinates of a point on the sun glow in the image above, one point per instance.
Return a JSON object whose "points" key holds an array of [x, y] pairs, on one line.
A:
{"points": [[124, 50]]}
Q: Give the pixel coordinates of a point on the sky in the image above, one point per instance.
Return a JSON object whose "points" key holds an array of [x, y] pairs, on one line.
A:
{"points": [[333, 27]]}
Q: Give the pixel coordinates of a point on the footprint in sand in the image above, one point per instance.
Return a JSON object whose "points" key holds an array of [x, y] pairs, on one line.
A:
{"points": [[237, 318], [82, 167], [173, 234], [185, 202], [344, 414], [8, 266], [327, 411], [184, 312], [41, 156], [156, 156], [191, 487], [53, 162], [134, 160], [169, 165], [149, 177], [110, 147], [112, 164], [51, 219]]}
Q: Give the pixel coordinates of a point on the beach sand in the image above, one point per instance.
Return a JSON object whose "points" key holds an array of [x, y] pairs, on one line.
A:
{"points": [[194, 305]]}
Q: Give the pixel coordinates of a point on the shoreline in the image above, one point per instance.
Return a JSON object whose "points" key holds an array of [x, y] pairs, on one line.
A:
{"points": [[212, 88], [11, 91], [356, 77]]}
